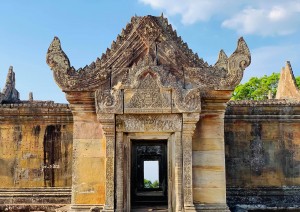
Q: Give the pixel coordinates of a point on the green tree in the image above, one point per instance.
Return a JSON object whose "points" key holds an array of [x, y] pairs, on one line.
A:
{"points": [[147, 183], [258, 88], [298, 81], [155, 184]]}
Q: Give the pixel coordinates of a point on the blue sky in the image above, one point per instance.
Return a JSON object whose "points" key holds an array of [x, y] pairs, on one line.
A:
{"points": [[86, 28]]}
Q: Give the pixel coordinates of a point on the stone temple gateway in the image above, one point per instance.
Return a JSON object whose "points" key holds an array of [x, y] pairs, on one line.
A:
{"points": [[149, 91]]}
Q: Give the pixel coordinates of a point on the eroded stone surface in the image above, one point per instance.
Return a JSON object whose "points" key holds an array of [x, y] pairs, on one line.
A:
{"points": [[262, 153], [9, 93]]}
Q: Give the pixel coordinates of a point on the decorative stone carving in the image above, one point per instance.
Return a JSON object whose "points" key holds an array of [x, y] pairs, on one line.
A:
{"points": [[119, 172], [151, 77], [178, 172], [109, 101], [189, 125], [148, 30], [152, 40], [69, 79], [108, 126], [147, 98], [149, 123]]}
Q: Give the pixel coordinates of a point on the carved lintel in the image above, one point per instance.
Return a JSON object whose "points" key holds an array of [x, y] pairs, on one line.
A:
{"points": [[149, 123], [189, 125]]}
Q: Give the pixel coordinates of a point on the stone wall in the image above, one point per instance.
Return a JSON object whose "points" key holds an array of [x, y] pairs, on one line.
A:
{"points": [[35, 151], [262, 147]]}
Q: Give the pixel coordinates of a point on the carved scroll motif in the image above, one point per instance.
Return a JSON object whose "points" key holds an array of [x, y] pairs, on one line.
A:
{"points": [[109, 101], [187, 101]]}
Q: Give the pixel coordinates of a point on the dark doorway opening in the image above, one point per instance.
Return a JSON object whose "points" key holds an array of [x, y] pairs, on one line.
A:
{"points": [[149, 173]]}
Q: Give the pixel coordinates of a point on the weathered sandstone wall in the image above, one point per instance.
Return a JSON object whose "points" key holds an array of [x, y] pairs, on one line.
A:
{"points": [[35, 153], [262, 144]]}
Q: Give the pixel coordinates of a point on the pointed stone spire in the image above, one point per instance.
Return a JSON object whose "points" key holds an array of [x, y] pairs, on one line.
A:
{"points": [[9, 92], [30, 96], [287, 87]]}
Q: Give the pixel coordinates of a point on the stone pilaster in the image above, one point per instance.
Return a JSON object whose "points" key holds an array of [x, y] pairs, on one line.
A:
{"points": [[209, 183], [88, 178], [189, 125], [119, 171], [108, 126], [178, 171]]}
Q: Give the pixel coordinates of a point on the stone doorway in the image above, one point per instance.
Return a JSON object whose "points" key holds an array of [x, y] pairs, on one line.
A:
{"points": [[146, 131], [149, 173]]}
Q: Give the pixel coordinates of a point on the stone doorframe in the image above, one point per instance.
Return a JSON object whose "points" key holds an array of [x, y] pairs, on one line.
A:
{"points": [[178, 129]]}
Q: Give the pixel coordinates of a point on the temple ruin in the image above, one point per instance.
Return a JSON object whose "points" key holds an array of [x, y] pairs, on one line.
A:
{"points": [[150, 98]]}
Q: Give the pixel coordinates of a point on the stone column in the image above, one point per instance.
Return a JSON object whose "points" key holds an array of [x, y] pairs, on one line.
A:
{"points": [[88, 178], [209, 183], [189, 125]]}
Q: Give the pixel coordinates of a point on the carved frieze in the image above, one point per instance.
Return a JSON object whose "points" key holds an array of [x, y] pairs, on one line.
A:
{"points": [[149, 123]]}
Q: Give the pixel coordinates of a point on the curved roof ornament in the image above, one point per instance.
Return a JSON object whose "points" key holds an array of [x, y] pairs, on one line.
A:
{"points": [[149, 39]]}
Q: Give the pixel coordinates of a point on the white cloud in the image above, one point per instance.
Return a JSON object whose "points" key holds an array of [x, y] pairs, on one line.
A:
{"points": [[269, 59], [279, 19], [192, 11], [265, 18]]}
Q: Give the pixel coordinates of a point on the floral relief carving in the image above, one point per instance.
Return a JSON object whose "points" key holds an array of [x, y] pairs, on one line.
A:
{"points": [[147, 96], [109, 101], [149, 123]]}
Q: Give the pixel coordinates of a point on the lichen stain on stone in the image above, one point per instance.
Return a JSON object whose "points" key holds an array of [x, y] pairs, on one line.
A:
{"points": [[36, 130], [258, 155]]}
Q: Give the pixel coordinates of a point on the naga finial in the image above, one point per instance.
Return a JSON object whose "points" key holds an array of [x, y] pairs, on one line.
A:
{"points": [[237, 62], [56, 58]]}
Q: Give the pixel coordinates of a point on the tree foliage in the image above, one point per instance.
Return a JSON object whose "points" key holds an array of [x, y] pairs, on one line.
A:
{"points": [[298, 81], [149, 184], [258, 88]]}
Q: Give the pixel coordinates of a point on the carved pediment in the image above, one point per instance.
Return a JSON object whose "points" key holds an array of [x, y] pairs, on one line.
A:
{"points": [[147, 91], [147, 97], [150, 41]]}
